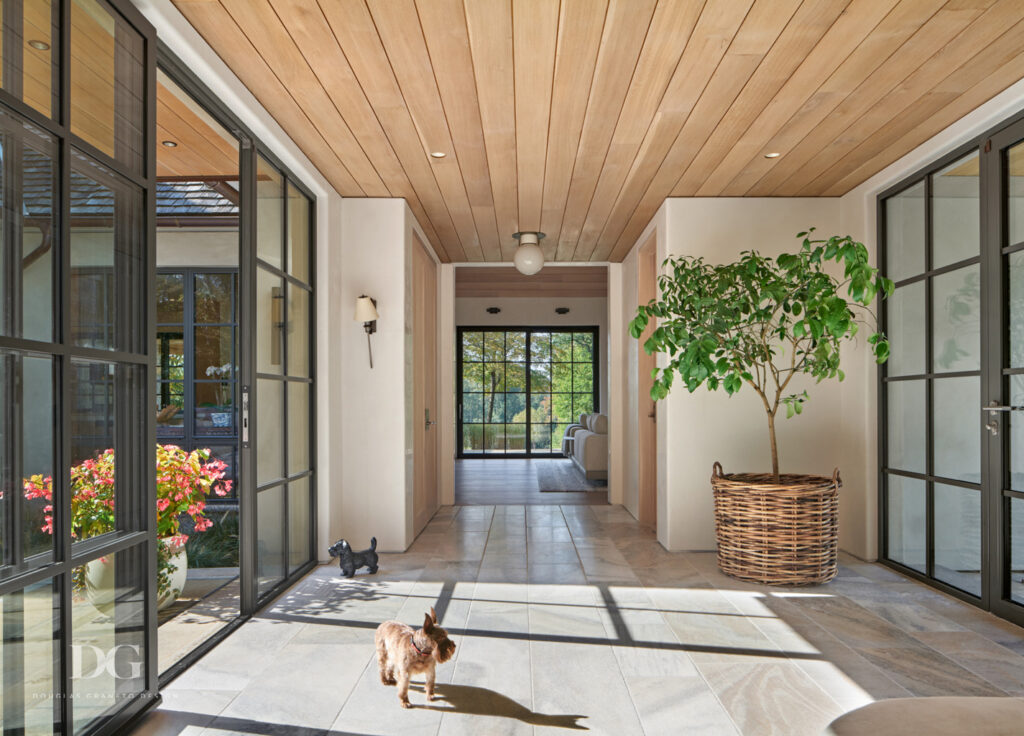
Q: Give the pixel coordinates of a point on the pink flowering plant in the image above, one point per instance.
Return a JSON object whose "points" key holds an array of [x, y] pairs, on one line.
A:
{"points": [[184, 480]]}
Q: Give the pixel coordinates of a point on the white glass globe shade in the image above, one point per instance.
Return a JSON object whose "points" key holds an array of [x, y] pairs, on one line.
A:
{"points": [[529, 259]]}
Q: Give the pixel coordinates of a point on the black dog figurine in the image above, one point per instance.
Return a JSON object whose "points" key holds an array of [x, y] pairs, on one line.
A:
{"points": [[350, 561]]}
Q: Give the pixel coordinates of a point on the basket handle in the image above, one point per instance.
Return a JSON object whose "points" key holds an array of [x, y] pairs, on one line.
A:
{"points": [[836, 480], [716, 470]]}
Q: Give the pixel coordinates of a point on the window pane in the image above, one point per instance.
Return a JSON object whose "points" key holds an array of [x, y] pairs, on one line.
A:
{"points": [[170, 355], [561, 408], [540, 347], [1015, 308], [540, 408], [298, 233], [472, 346], [494, 407], [582, 404], [270, 423], [906, 426], [227, 454], [26, 399], [904, 233], [93, 445], [1015, 195], [298, 427], [515, 346], [215, 297], [515, 437], [958, 537], [540, 377], [269, 322], [494, 377], [472, 407], [270, 196], [906, 330], [170, 298], [557, 432], [170, 403], [956, 316], [515, 408], [298, 331], [956, 432], [472, 438], [215, 412], [561, 346], [956, 212], [269, 538], [582, 347], [28, 187], [473, 377], [109, 633], [494, 346], [1016, 510], [214, 356], [107, 259], [907, 521], [29, 651], [107, 102], [1015, 420], [31, 66], [540, 436], [299, 533], [561, 377], [515, 377], [494, 437], [583, 377]]}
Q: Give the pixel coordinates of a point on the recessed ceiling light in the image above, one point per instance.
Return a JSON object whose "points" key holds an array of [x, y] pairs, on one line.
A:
{"points": [[170, 144], [773, 154], [39, 45], [438, 154]]}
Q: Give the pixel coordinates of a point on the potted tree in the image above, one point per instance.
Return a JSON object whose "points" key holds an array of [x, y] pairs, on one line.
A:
{"points": [[760, 321]]}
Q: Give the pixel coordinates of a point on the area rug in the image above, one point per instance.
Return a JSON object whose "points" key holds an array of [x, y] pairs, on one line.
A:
{"points": [[562, 476]]}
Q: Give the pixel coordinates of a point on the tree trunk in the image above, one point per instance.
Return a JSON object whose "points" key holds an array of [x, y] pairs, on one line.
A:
{"points": [[775, 448]]}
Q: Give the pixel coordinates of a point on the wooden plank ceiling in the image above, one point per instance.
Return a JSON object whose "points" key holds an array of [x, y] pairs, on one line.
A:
{"points": [[578, 117], [565, 281]]}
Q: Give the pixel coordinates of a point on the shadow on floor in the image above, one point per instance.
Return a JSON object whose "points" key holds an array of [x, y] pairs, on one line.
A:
{"points": [[479, 701]]}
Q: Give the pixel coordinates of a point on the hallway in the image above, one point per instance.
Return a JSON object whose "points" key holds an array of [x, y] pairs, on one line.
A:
{"points": [[574, 617]]}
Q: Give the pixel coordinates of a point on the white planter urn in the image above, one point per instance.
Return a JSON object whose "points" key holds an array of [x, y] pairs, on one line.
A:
{"points": [[101, 582]]}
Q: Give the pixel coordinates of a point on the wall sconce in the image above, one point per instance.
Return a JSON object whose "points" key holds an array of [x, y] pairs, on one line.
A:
{"points": [[366, 312]]}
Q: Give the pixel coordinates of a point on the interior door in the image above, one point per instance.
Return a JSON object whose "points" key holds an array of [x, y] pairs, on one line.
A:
{"points": [[647, 409], [1003, 401], [425, 385]]}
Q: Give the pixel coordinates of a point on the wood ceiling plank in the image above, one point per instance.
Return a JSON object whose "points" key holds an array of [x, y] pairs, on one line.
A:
{"points": [[970, 85], [855, 23], [352, 24], [260, 23], [625, 28], [899, 45], [489, 23], [871, 120], [667, 39], [201, 151], [447, 36], [534, 39], [582, 281], [580, 27], [400, 33], [308, 27], [765, 50], [219, 30]]}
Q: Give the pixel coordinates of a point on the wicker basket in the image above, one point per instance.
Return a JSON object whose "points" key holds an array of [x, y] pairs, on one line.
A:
{"points": [[779, 534]]}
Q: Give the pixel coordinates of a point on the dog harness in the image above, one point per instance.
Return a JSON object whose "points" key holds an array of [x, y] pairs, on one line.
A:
{"points": [[412, 638]]}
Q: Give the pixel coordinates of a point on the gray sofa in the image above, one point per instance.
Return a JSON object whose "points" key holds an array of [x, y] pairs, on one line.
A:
{"points": [[586, 444]]}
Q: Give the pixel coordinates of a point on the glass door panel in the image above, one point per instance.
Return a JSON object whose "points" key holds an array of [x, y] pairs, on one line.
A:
{"points": [[520, 388]]}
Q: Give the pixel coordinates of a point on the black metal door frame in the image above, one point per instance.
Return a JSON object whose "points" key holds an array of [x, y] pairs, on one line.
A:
{"points": [[596, 388]]}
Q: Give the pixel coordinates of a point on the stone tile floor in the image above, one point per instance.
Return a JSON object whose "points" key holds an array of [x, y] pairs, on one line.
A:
{"points": [[575, 618]]}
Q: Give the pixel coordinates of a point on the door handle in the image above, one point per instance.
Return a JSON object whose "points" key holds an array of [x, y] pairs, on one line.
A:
{"points": [[245, 416], [426, 413], [994, 407]]}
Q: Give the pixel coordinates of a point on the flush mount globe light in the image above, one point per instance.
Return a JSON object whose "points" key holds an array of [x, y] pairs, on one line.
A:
{"points": [[529, 258]]}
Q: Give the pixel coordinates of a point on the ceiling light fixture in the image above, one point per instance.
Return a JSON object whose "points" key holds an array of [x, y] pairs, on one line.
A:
{"points": [[39, 45], [438, 154], [170, 144], [529, 258], [773, 154]]}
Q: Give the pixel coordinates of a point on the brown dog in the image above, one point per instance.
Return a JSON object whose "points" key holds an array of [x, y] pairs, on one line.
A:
{"points": [[403, 652]]}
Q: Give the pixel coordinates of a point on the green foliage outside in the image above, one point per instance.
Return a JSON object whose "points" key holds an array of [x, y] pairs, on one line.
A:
{"points": [[760, 321]]}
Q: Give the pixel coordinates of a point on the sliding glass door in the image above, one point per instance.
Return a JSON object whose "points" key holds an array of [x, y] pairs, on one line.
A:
{"points": [[952, 502], [521, 387], [77, 370]]}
